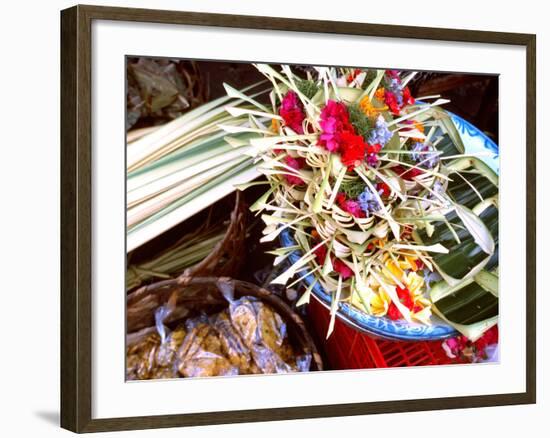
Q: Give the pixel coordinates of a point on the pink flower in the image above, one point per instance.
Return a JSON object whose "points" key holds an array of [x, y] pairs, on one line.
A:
{"points": [[334, 122], [297, 164], [350, 206], [353, 208], [292, 112]]}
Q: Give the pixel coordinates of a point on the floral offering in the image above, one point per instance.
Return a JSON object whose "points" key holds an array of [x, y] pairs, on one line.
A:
{"points": [[389, 213]]}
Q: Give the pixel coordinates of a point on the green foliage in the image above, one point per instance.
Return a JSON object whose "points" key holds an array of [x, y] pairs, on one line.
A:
{"points": [[371, 75], [359, 120], [352, 189], [307, 88]]}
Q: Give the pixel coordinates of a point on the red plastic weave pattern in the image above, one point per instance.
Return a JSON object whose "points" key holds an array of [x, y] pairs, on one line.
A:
{"points": [[348, 348]]}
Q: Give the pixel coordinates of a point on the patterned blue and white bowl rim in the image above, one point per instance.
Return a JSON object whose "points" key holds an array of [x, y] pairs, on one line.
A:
{"points": [[474, 141]]}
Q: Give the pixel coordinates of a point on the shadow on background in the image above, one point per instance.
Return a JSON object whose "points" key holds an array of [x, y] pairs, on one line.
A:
{"points": [[51, 417]]}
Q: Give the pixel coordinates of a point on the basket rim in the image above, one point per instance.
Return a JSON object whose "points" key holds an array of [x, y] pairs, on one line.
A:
{"points": [[381, 327], [244, 288]]}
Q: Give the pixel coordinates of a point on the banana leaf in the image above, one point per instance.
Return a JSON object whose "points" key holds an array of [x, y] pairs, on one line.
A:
{"points": [[471, 306], [465, 257], [467, 297], [469, 230], [446, 145], [461, 191], [448, 126]]}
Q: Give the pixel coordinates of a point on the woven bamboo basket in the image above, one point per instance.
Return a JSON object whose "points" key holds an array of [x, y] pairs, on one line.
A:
{"points": [[202, 294], [225, 258]]}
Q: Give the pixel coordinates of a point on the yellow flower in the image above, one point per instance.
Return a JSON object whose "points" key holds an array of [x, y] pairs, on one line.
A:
{"points": [[369, 109], [380, 303], [395, 269], [415, 283], [379, 94], [411, 260]]}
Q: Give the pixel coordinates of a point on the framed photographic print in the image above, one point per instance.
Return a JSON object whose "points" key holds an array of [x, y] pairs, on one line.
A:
{"points": [[341, 214]]}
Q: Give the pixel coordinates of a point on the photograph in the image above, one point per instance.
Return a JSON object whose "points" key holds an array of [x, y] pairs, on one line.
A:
{"points": [[293, 218], [274, 219]]}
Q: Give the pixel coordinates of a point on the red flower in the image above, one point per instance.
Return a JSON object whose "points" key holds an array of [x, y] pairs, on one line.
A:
{"points": [[296, 163], [392, 103], [492, 335], [382, 186], [407, 174], [373, 148], [292, 112], [341, 199], [353, 75], [407, 98], [343, 269], [404, 298], [391, 100], [489, 337], [338, 135], [393, 312], [352, 148], [338, 265], [321, 254]]}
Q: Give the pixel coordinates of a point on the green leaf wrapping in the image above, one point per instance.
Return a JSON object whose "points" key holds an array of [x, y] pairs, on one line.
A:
{"points": [[471, 306], [467, 257]]}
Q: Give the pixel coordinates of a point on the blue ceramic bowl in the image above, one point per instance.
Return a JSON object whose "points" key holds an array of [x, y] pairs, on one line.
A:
{"points": [[474, 141]]}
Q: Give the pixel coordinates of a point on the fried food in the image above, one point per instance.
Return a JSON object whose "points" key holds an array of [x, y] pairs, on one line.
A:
{"points": [[246, 338]]}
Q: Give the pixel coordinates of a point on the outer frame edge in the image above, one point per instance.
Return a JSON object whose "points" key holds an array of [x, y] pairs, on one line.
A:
{"points": [[76, 218]]}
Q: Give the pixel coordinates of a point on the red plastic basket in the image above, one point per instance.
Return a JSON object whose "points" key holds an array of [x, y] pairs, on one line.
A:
{"points": [[348, 348]]}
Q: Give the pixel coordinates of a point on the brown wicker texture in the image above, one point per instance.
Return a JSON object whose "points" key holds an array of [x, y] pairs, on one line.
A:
{"points": [[203, 294], [225, 258]]}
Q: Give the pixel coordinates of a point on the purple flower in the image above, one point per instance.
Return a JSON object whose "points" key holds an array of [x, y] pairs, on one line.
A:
{"points": [[397, 89], [438, 187], [372, 160], [425, 154], [368, 201], [380, 134]]}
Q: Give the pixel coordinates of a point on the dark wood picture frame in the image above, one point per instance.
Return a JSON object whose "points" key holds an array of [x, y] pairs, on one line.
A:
{"points": [[76, 177]]}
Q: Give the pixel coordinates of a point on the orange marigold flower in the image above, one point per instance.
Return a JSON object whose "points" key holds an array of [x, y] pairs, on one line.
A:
{"points": [[367, 107], [380, 94], [275, 125], [420, 127]]}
